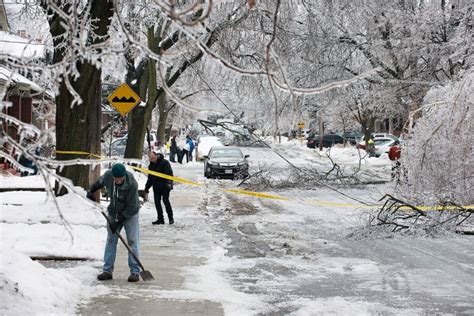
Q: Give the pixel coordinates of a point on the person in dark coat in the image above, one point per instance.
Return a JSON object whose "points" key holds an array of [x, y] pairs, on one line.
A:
{"points": [[161, 186], [173, 149]]}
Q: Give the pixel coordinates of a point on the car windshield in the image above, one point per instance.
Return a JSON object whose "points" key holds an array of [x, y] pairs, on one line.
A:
{"points": [[382, 141], [226, 153]]}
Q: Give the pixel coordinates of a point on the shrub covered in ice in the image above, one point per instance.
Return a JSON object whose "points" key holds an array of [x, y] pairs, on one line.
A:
{"points": [[438, 157]]}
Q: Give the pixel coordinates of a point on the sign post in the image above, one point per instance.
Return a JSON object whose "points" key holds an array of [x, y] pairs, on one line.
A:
{"points": [[124, 99]]}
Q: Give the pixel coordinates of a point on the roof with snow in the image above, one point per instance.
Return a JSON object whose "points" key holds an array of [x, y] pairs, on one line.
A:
{"points": [[19, 47], [10, 79]]}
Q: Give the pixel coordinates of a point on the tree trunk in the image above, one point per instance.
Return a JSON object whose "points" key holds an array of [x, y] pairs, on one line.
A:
{"points": [[321, 131], [78, 127], [367, 124], [139, 117], [162, 119]]}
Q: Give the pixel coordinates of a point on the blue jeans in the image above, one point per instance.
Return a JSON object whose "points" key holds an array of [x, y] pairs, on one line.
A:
{"points": [[133, 240]]}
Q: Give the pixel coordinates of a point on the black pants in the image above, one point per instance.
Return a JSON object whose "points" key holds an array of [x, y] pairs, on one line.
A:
{"points": [[166, 200], [186, 154], [179, 154], [173, 153]]}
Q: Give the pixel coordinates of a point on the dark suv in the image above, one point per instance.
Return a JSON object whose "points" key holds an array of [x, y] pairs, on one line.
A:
{"points": [[226, 162], [328, 141]]}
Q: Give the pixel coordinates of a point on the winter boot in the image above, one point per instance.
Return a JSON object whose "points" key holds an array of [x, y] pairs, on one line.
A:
{"points": [[134, 277], [104, 276]]}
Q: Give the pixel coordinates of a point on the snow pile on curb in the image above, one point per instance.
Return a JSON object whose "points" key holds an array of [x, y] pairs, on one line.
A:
{"points": [[30, 288]]}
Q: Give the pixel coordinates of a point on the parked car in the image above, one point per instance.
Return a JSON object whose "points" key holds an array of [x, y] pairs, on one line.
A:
{"points": [[205, 143], [382, 145], [361, 143], [120, 133], [384, 135], [328, 141], [117, 148], [226, 162], [352, 137]]}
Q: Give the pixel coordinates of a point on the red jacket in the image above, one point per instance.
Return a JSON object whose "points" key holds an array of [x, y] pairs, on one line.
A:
{"points": [[394, 152]]}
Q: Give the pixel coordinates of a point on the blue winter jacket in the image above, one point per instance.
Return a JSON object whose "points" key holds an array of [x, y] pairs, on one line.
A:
{"points": [[191, 144]]}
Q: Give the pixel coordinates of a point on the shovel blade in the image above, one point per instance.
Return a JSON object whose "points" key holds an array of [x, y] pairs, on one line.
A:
{"points": [[146, 276]]}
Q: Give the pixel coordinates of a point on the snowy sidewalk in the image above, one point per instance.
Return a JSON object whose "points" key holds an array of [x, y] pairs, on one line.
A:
{"points": [[171, 254]]}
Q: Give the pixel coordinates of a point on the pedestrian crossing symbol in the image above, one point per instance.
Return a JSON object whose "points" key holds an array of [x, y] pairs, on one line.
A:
{"points": [[124, 99]]}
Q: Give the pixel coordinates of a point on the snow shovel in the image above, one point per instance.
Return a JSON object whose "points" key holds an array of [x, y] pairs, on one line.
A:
{"points": [[146, 275]]}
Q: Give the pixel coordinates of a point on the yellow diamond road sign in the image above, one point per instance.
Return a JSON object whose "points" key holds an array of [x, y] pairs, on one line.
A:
{"points": [[301, 124], [124, 99]]}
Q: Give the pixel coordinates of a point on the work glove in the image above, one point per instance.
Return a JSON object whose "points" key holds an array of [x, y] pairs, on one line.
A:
{"points": [[169, 185], [90, 196], [114, 225]]}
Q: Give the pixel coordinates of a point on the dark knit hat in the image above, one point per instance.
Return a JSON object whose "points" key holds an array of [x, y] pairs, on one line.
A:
{"points": [[118, 170]]}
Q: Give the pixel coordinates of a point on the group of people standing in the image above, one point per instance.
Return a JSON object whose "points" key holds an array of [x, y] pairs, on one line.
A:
{"points": [[180, 152]]}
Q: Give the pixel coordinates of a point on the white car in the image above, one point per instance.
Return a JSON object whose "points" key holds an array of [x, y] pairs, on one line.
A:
{"points": [[382, 145], [205, 143], [384, 135]]}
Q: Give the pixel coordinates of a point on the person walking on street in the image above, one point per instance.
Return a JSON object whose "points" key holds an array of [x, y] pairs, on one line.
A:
{"points": [[371, 147], [161, 186], [188, 148], [394, 155], [173, 149], [122, 188], [190, 141]]}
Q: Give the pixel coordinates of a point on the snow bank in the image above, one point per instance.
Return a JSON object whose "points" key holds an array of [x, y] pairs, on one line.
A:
{"points": [[30, 225], [30, 288]]}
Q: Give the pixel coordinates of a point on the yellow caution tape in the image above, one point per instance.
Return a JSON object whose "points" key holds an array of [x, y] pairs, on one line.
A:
{"points": [[165, 176], [67, 152], [268, 196], [336, 204], [437, 207], [257, 194], [421, 208]]}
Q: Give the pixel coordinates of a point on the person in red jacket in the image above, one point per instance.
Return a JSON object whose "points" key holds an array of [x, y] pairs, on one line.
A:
{"points": [[394, 155], [394, 152]]}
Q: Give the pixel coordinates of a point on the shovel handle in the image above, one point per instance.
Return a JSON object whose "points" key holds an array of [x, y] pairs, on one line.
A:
{"points": [[124, 242]]}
